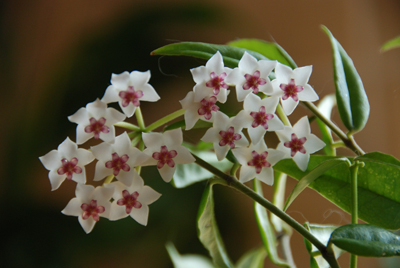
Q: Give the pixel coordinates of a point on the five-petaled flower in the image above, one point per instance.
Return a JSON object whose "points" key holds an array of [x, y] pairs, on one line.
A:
{"points": [[225, 134], [210, 79], [251, 76], [118, 159], [89, 204], [132, 201], [291, 86], [298, 143], [257, 161], [67, 162], [165, 151], [128, 89], [96, 120], [259, 116]]}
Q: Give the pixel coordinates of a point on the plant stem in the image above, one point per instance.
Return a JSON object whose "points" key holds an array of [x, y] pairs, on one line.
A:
{"points": [[139, 118], [347, 140], [283, 116], [234, 183], [164, 120], [127, 126]]}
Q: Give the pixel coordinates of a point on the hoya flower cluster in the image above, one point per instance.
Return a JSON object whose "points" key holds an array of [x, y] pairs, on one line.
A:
{"points": [[119, 161]]}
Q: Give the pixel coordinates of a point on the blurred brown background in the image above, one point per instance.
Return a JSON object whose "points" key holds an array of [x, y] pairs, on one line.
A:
{"points": [[56, 56]]}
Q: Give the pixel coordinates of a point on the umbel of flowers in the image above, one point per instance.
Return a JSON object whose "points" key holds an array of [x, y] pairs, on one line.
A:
{"points": [[119, 158]]}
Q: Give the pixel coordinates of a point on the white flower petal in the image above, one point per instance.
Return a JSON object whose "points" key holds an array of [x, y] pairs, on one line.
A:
{"points": [[117, 212], [138, 79], [172, 137], [289, 105], [308, 94], [111, 95], [101, 171], [120, 81], [84, 192], [302, 74], [87, 224], [140, 215], [167, 172], [51, 160], [200, 74], [248, 63], [148, 195], [152, 140], [313, 144], [128, 110], [247, 173], [73, 207], [183, 156], [301, 160], [256, 134], [80, 117], [102, 151], [221, 151], [56, 180], [266, 175], [149, 93]]}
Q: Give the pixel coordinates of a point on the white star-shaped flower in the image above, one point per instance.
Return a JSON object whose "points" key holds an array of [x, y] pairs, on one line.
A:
{"points": [[118, 159], [251, 76], [67, 162], [128, 89], [257, 161], [210, 79], [132, 201], [291, 86], [298, 142], [259, 116], [204, 110], [96, 120], [166, 151], [89, 204], [225, 134]]}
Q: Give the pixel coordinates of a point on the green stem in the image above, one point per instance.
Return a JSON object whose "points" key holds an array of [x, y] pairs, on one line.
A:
{"points": [[164, 120], [127, 126], [141, 148], [283, 116], [234, 183], [348, 140], [108, 179], [139, 118]]}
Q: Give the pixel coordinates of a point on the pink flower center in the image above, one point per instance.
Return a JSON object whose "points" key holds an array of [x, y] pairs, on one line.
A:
{"points": [[129, 96], [259, 161], [207, 106], [117, 163], [296, 145], [253, 81], [229, 137], [165, 157], [97, 126], [129, 201], [92, 209], [217, 82], [261, 118], [291, 90], [69, 168]]}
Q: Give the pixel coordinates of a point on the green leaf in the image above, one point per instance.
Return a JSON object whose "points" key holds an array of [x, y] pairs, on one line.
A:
{"points": [[378, 186], [188, 174], [252, 259], [393, 43], [325, 106], [230, 54], [188, 260], [351, 98], [266, 230], [208, 231], [312, 176], [366, 240], [181, 124], [323, 233], [271, 50]]}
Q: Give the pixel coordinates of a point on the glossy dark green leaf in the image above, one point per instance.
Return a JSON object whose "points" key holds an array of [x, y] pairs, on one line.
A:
{"points": [[266, 231], [366, 240], [323, 233], [187, 260], [352, 101], [312, 176], [378, 186], [325, 107], [230, 54], [208, 231], [393, 43], [271, 50], [252, 259]]}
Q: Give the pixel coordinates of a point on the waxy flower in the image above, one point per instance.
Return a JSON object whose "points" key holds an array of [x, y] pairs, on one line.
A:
{"points": [[259, 116], [132, 201], [96, 120], [118, 159], [128, 89], [257, 161], [89, 204], [67, 162], [225, 134], [298, 142], [251, 76], [210, 79], [166, 151], [291, 86], [204, 110]]}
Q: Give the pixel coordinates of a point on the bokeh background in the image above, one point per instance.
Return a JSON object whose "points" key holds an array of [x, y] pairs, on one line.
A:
{"points": [[58, 55]]}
